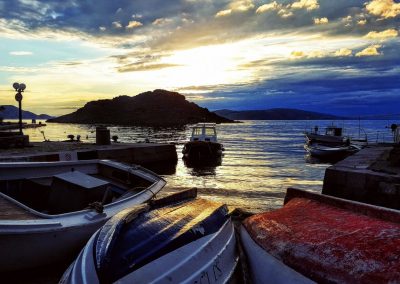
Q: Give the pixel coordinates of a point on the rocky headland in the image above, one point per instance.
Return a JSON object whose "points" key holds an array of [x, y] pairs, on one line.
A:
{"points": [[153, 108]]}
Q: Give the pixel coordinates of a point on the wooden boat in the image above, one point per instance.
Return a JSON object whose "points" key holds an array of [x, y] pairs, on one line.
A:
{"points": [[333, 136], [323, 151], [171, 241], [203, 143], [49, 210], [323, 239]]}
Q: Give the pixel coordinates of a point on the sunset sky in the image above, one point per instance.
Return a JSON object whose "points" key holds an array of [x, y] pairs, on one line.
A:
{"points": [[340, 57]]}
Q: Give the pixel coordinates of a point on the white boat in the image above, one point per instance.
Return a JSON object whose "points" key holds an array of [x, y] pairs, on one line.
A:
{"points": [[333, 135], [323, 151], [317, 238], [190, 241], [49, 210], [203, 143]]}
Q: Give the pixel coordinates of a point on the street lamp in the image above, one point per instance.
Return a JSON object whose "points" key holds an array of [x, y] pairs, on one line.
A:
{"points": [[18, 97]]}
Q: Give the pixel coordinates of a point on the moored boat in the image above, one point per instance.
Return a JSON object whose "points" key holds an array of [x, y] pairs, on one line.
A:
{"points": [[333, 136], [170, 241], [203, 143], [49, 210], [323, 151], [323, 239]]}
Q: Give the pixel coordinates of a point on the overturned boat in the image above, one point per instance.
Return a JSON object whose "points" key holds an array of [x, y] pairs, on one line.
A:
{"points": [[49, 210], [170, 241], [203, 144], [317, 238]]}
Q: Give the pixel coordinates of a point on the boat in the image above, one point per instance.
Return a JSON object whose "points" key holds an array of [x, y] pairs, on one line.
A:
{"points": [[49, 210], [203, 143], [317, 238], [323, 151], [172, 240], [333, 136]]}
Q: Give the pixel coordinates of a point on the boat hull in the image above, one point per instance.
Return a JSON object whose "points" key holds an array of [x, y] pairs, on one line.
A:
{"points": [[188, 242], [33, 249], [265, 268], [321, 151], [45, 239], [325, 239], [200, 150], [208, 260]]}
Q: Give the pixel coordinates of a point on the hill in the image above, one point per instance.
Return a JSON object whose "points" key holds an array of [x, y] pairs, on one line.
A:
{"points": [[156, 108], [11, 112], [274, 114]]}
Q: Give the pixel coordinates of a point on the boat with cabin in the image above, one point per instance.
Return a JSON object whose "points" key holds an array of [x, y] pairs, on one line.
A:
{"points": [[203, 143], [48, 210], [176, 239], [317, 238], [333, 136]]}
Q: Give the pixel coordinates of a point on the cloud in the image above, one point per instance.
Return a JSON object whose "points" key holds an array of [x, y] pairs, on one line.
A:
{"points": [[390, 33], [284, 13], [321, 21], [134, 24], [134, 67], [273, 6], [103, 29], [362, 22], [223, 13], [117, 25], [383, 8], [370, 51], [343, 52], [236, 6], [306, 4], [21, 53], [297, 54], [241, 5], [161, 21]]}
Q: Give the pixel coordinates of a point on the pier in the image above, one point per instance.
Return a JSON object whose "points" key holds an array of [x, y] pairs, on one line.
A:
{"points": [[371, 176], [136, 153]]}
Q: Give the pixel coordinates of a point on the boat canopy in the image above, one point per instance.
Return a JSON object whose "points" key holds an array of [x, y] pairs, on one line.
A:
{"points": [[204, 132], [334, 131]]}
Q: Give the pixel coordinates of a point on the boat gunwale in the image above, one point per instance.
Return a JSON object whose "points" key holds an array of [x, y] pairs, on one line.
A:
{"points": [[157, 184], [383, 213]]}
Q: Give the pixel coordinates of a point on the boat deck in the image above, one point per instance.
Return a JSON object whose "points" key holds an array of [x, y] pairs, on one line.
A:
{"points": [[10, 211]]}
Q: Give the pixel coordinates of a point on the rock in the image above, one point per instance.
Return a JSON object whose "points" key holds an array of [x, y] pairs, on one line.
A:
{"points": [[156, 108]]}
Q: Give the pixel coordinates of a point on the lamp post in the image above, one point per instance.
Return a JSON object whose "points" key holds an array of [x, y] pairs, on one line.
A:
{"points": [[18, 97]]}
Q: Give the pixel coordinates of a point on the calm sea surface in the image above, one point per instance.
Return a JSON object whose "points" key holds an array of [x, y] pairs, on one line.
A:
{"points": [[261, 160]]}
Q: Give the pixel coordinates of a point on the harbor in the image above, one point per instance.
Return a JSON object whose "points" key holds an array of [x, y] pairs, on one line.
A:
{"points": [[200, 142], [374, 158]]}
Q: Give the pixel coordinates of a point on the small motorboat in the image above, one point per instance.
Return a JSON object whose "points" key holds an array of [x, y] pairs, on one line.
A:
{"points": [[172, 240], [317, 238], [333, 136], [49, 210], [324, 151], [203, 143]]}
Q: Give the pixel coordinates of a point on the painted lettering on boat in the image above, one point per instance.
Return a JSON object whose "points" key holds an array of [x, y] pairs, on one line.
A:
{"points": [[213, 270]]}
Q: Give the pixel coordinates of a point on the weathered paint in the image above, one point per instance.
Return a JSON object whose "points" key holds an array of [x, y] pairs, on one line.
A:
{"points": [[327, 243]]}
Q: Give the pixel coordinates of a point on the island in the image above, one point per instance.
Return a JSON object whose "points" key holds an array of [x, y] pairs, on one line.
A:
{"points": [[153, 108]]}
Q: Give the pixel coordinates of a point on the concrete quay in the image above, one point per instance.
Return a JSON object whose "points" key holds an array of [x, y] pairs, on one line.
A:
{"points": [[371, 176], [135, 153]]}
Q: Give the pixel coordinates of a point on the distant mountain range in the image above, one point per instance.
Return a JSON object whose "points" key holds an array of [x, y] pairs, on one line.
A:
{"points": [[156, 108], [11, 112], [275, 114]]}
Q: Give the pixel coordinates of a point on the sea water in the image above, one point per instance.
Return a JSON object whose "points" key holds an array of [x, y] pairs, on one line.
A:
{"points": [[261, 159]]}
